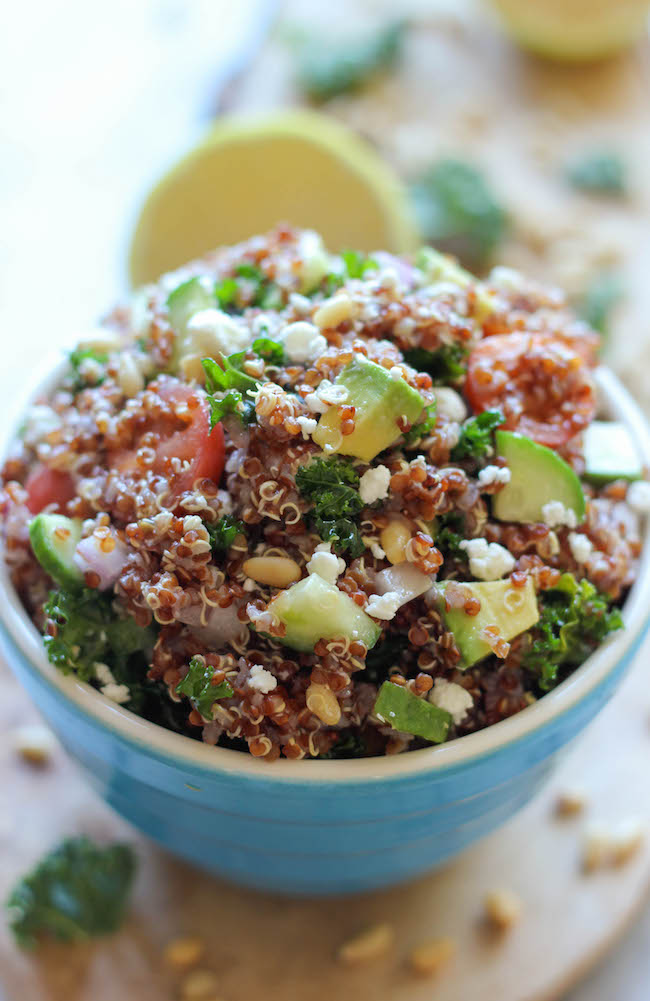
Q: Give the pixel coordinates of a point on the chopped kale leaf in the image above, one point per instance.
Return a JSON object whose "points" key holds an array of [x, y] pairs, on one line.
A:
{"points": [[332, 485], [349, 745], [271, 351], [444, 365], [476, 436], [227, 387], [198, 686], [598, 172], [389, 653], [326, 69], [77, 892], [224, 532]]}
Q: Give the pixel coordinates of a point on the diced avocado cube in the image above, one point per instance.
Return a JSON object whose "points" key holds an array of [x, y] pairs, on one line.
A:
{"points": [[54, 539], [314, 610], [512, 610], [610, 453], [409, 714], [438, 267], [538, 476], [379, 401]]}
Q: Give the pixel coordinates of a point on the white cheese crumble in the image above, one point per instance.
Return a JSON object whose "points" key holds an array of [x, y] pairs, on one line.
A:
{"points": [[451, 697], [487, 560], [307, 425], [638, 496], [384, 606], [116, 693], [581, 547], [326, 395], [374, 483], [374, 548], [555, 513], [494, 474], [326, 564], [210, 331], [396, 373], [261, 680], [303, 341], [450, 404], [40, 421]]}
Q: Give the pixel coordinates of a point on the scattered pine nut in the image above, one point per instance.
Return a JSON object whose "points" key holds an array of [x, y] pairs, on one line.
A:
{"points": [[627, 841], [183, 952], [369, 944], [427, 959], [199, 986], [607, 847], [595, 848], [35, 743], [570, 803], [502, 908]]}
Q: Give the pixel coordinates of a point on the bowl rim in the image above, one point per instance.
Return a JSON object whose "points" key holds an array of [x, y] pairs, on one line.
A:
{"points": [[157, 741]]}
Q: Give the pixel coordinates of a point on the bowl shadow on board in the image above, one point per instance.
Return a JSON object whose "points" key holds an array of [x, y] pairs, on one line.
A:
{"points": [[324, 827]]}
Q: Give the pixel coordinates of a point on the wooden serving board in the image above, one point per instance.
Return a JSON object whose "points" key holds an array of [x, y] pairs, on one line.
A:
{"points": [[284, 950]]}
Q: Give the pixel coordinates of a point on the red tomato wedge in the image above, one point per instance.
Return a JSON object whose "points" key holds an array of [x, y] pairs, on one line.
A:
{"points": [[47, 486], [187, 438], [541, 384]]}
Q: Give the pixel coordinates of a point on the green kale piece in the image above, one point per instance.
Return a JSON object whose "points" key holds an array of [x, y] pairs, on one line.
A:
{"points": [[86, 630], [265, 293], [425, 427], [77, 892], [601, 297], [449, 534], [197, 685], [444, 365], [332, 485], [271, 351], [599, 172], [223, 532], [225, 292], [575, 618], [476, 435], [389, 653], [327, 69], [76, 358], [349, 745], [227, 387], [458, 212]]}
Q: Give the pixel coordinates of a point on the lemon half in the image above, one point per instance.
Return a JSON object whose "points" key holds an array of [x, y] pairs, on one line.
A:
{"points": [[248, 174]]}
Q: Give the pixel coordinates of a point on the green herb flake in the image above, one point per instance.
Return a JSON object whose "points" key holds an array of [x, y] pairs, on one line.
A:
{"points": [[458, 212], [227, 387], [476, 436], [78, 891], [198, 686], [349, 745], [356, 264], [600, 172], [326, 69], [271, 351], [445, 365], [224, 532], [449, 534], [332, 485], [574, 620], [423, 428], [76, 359], [226, 292], [599, 301]]}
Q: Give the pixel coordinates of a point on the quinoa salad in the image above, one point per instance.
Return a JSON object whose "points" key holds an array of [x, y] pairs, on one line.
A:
{"points": [[328, 506]]}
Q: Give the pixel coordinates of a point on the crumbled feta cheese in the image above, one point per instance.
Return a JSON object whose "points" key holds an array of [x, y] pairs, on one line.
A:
{"points": [[326, 564], [555, 513], [638, 496], [300, 303], [494, 474], [581, 547], [116, 693], [307, 425], [261, 680], [104, 674], [450, 404], [451, 697], [249, 585], [396, 372], [40, 421], [211, 331], [384, 606], [303, 341], [374, 483], [487, 560]]}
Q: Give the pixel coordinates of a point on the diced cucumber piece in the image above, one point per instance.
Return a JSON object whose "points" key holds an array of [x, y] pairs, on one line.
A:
{"points": [[610, 453], [409, 714], [314, 610], [191, 297], [54, 539], [538, 475], [379, 401], [512, 610]]}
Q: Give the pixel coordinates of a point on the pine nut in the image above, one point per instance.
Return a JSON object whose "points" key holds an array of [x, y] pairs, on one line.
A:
{"points": [[183, 952], [502, 908], [276, 571], [129, 376], [370, 944], [35, 743], [429, 957], [394, 538], [334, 311], [570, 803], [322, 702]]}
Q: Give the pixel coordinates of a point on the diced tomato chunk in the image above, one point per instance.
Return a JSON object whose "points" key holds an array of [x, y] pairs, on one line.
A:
{"points": [[47, 486]]}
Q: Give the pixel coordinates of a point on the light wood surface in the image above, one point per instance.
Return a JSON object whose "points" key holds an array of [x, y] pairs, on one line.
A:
{"points": [[82, 142]]}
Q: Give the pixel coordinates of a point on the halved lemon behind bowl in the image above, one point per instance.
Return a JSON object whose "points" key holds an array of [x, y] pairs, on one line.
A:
{"points": [[248, 174]]}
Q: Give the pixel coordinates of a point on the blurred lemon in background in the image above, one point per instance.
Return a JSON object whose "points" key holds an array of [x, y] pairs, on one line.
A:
{"points": [[298, 166], [574, 30]]}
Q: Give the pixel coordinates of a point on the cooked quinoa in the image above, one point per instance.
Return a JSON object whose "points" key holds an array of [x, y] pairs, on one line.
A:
{"points": [[190, 545]]}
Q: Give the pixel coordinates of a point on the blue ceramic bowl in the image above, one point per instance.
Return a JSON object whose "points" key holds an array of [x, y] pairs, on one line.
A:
{"points": [[324, 827]]}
